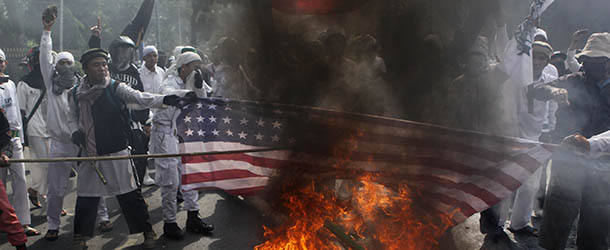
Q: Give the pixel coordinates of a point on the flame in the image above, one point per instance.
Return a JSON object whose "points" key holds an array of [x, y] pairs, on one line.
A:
{"points": [[376, 217], [373, 217]]}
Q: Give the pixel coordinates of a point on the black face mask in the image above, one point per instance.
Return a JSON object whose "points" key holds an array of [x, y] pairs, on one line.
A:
{"points": [[594, 70]]}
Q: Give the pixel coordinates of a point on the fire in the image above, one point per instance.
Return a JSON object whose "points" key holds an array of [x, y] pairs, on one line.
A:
{"points": [[374, 217]]}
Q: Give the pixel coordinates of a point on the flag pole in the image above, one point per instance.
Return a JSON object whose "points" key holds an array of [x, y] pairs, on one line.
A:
{"points": [[145, 156]]}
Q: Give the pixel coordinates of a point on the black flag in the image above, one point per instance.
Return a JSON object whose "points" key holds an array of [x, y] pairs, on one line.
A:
{"points": [[137, 28]]}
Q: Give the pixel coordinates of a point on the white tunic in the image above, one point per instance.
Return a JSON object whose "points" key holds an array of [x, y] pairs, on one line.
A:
{"points": [[530, 124], [9, 102], [119, 174], [28, 97], [57, 105], [163, 139]]}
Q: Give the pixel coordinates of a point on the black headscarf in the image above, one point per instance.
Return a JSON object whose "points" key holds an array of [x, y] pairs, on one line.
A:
{"points": [[34, 78]]}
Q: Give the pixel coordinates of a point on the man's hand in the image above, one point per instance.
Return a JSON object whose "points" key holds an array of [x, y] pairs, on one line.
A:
{"points": [[97, 30], [48, 17], [576, 142], [560, 96], [78, 138], [4, 161], [171, 100], [198, 79], [578, 38]]}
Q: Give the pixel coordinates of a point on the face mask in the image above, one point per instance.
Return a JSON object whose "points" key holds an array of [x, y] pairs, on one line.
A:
{"points": [[122, 57], [65, 78], [594, 70]]}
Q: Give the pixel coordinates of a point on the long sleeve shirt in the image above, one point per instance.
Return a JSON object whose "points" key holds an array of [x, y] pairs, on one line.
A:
{"points": [[9, 102], [573, 64], [173, 85], [57, 105], [152, 81]]}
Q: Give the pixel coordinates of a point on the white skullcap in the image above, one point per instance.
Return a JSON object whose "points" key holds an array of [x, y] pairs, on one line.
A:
{"points": [[541, 32], [2, 55], [149, 49], [177, 51], [186, 58], [64, 55]]}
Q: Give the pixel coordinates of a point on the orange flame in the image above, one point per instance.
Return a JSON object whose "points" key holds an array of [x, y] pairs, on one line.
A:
{"points": [[376, 218]]}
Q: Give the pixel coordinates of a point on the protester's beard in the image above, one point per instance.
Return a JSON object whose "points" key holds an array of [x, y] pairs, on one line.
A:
{"points": [[595, 71], [65, 79]]}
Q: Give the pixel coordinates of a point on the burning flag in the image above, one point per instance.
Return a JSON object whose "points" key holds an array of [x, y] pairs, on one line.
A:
{"points": [[404, 183]]}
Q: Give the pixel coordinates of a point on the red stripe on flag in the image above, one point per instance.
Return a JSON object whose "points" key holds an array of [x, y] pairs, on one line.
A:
{"points": [[238, 191], [217, 176]]}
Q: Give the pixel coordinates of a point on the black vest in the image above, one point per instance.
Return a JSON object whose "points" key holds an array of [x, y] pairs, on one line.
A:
{"points": [[111, 122]]}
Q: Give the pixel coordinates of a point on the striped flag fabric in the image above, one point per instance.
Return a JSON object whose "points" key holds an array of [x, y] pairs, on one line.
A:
{"points": [[457, 172]]}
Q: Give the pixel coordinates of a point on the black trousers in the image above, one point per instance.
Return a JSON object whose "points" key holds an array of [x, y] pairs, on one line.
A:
{"points": [[578, 187], [133, 207]]}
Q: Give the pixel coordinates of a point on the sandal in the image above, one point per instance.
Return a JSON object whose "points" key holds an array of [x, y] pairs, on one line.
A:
{"points": [[63, 213], [33, 196], [527, 230], [51, 235], [30, 231]]}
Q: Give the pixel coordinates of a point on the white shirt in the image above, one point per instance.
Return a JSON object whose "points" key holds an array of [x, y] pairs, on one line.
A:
{"points": [[9, 102], [573, 64], [28, 97], [173, 85], [57, 105], [152, 81], [530, 124]]}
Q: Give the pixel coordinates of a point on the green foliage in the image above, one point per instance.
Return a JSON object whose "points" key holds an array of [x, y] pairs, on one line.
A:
{"points": [[20, 22]]}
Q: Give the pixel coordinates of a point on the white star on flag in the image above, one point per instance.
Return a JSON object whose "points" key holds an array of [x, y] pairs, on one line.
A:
{"points": [[226, 120], [242, 135], [277, 124], [277, 111], [259, 137], [228, 107], [212, 119], [201, 132], [215, 132], [189, 132], [199, 105], [243, 121], [229, 132], [212, 106], [199, 118], [260, 122], [275, 138], [187, 119]]}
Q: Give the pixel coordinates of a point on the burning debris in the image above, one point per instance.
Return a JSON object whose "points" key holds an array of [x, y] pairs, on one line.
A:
{"points": [[375, 216]]}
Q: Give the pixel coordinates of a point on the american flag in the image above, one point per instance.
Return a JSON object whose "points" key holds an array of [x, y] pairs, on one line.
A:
{"points": [[459, 172]]}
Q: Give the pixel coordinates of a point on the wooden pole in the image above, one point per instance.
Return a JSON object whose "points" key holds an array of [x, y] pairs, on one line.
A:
{"points": [[127, 157]]}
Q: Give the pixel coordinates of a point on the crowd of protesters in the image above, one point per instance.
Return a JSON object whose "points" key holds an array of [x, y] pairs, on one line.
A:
{"points": [[118, 108]]}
